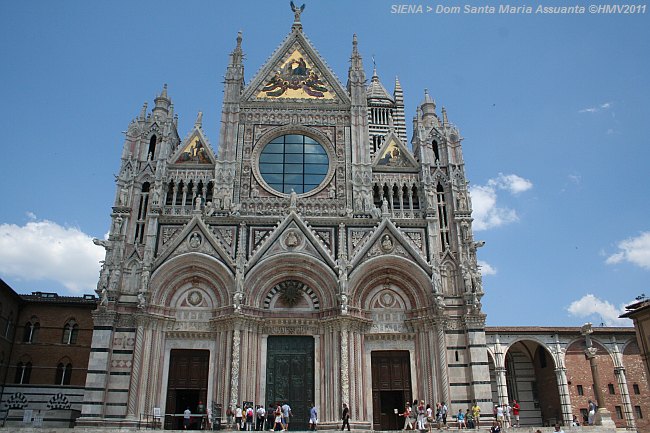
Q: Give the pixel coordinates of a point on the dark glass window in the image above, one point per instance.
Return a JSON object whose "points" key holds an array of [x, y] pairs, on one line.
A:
{"points": [[63, 373], [619, 412], [293, 162], [610, 388], [636, 389], [580, 390], [639, 414], [70, 333]]}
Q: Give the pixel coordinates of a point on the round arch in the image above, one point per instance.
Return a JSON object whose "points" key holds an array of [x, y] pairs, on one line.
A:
{"points": [[408, 276], [196, 268], [272, 271]]}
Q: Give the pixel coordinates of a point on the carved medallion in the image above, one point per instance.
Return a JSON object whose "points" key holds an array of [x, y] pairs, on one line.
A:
{"points": [[195, 240], [194, 298]]}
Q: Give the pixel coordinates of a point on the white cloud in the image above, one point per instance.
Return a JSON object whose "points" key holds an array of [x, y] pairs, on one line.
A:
{"points": [[43, 250], [486, 268], [486, 212], [511, 182], [599, 311], [634, 250], [601, 107]]}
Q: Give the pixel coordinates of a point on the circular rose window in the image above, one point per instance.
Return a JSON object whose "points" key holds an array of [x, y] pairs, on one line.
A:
{"points": [[293, 162]]}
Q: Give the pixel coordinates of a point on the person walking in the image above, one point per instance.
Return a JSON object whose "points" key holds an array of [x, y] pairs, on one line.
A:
{"points": [[408, 425], [277, 426], [238, 418], [443, 412], [421, 416], [313, 417], [430, 418], [345, 416], [250, 414], [187, 418], [286, 414]]}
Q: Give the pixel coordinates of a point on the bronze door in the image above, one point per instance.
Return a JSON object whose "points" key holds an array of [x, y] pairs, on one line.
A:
{"points": [[187, 384], [290, 376], [391, 388]]}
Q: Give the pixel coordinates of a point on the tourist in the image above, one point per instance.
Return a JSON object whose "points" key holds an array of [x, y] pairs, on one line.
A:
{"points": [[238, 418], [261, 415], [408, 425], [499, 415], [575, 422], [249, 418], [345, 416], [592, 412], [507, 415], [430, 418], [558, 429], [229, 416], [270, 417], [461, 419], [515, 412], [277, 425], [187, 418], [443, 412], [313, 417], [496, 428], [469, 418], [422, 413], [476, 412], [286, 413]]}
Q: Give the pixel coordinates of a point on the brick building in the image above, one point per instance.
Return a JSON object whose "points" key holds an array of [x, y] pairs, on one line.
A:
{"points": [[545, 369], [44, 348]]}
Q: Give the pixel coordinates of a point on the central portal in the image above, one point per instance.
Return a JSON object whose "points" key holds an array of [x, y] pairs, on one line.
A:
{"points": [[290, 376], [187, 386]]}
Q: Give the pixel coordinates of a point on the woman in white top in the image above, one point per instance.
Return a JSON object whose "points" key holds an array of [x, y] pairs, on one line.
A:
{"points": [[408, 425]]}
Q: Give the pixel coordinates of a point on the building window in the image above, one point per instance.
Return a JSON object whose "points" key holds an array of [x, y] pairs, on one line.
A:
{"points": [[610, 388], [63, 373], [581, 391], [637, 411], [619, 412], [635, 387], [31, 329], [10, 324], [70, 332], [23, 373], [293, 162]]}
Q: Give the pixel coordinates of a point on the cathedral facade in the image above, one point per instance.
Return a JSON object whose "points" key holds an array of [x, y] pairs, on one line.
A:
{"points": [[314, 259]]}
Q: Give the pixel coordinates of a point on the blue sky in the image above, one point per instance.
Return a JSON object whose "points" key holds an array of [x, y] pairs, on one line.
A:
{"points": [[553, 110]]}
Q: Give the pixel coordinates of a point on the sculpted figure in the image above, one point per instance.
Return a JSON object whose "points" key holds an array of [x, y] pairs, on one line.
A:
{"points": [[142, 302]]}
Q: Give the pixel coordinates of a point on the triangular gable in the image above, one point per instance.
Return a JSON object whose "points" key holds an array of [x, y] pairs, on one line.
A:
{"points": [[388, 239], [394, 156], [194, 150], [292, 234], [295, 71], [194, 237]]}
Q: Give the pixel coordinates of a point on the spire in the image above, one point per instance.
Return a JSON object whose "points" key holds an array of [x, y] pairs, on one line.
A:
{"points": [[445, 121], [237, 55], [199, 120], [428, 106], [356, 73], [162, 101], [143, 112], [297, 25], [376, 90]]}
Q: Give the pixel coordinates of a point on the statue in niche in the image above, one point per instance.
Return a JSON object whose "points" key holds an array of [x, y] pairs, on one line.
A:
{"points": [[195, 240], [344, 303], [144, 281], [117, 226], [123, 197], [375, 212], [115, 280], [462, 201], [291, 240], [477, 281], [237, 300], [103, 278], [342, 265], [208, 209], [293, 200], [142, 301], [197, 202], [467, 277], [104, 298], [384, 207], [386, 243], [436, 280]]}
